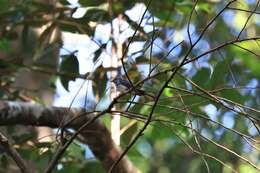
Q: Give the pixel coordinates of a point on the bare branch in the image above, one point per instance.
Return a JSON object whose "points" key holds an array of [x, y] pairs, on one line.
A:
{"points": [[6, 146]]}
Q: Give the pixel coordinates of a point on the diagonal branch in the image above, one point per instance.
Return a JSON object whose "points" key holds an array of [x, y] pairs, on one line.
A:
{"points": [[6, 146]]}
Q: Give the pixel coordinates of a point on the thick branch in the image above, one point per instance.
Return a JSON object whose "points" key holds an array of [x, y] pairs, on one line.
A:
{"points": [[96, 135]]}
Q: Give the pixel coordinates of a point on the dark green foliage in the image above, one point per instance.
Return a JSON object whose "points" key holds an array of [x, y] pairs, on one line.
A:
{"points": [[69, 64]]}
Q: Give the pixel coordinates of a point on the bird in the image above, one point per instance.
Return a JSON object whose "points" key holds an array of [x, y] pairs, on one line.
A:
{"points": [[123, 85]]}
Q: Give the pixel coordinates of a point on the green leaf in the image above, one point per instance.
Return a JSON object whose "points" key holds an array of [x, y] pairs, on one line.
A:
{"points": [[41, 161], [161, 131], [250, 60], [99, 82], [247, 168], [69, 64], [76, 151], [91, 166], [4, 5], [233, 95], [5, 46], [90, 2], [202, 77], [4, 64], [184, 7], [130, 133], [76, 25], [168, 92], [203, 7], [97, 15], [218, 75], [141, 60], [43, 144]]}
